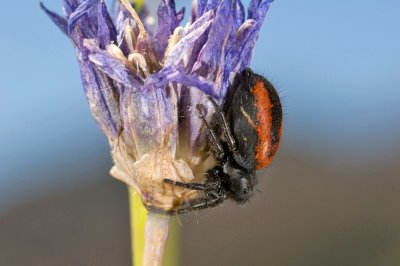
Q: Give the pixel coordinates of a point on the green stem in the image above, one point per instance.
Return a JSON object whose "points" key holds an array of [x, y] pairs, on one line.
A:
{"points": [[138, 219], [149, 232]]}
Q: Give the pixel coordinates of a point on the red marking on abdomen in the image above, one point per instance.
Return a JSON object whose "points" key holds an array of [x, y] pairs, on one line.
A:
{"points": [[264, 149]]}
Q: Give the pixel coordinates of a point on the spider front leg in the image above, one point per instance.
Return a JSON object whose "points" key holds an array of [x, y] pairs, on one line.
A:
{"points": [[213, 195], [211, 199], [209, 185], [193, 186]]}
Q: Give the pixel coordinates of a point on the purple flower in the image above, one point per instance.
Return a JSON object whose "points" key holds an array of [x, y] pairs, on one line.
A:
{"points": [[143, 82]]}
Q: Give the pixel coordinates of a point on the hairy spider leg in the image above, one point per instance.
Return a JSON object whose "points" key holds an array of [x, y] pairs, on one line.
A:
{"points": [[217, 146], [211, 184], [210, 200], [227, 132], [194, 186], [214, 194]]}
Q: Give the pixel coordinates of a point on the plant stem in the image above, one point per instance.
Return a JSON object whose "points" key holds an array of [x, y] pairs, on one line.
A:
{"points": [[149, 232], [138, 216], [172, 248], [157, 226]]}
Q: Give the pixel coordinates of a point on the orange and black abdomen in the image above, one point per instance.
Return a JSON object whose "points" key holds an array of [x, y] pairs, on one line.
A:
{"points": [[255, 116]]}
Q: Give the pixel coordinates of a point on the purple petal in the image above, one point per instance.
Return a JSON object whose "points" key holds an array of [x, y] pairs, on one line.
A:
{"points": [[106, 32], [240, 48], [246, 50], [114, 67], [57, 19], [120, 15], [219, 32], [125, 42], [206, 17], [201, 40], [185, 45], [96, 87], [212, 5], [177, 74], [84, 8], [102, 94], [211, 58], [204, 6], [121, 20], [180, 15], [103, 32], [258, 9], [239, 16], [201, 5], [70, 6], [238, 19], [167, 22], [257, 13]]}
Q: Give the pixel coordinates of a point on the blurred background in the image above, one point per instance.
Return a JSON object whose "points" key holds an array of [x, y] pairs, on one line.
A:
{"points": [[331, 197]]}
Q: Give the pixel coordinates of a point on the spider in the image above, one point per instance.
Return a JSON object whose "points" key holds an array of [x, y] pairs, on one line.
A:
{"points": [[251, 130]]}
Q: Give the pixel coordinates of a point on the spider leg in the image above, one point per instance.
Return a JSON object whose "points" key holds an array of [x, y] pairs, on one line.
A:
{"points": [[216, 144], [227, 131], [194, 186], [212, 199], [209, 185]]}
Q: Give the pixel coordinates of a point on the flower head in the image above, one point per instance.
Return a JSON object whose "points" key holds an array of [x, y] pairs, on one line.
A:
{"points": [[143, 82]]}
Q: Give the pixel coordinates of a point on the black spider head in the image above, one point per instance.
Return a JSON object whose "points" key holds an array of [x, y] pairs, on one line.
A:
{"points": [[241, 182]]}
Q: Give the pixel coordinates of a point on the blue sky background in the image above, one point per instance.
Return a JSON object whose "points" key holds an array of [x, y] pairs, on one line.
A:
{"points": [[336, 64]]}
